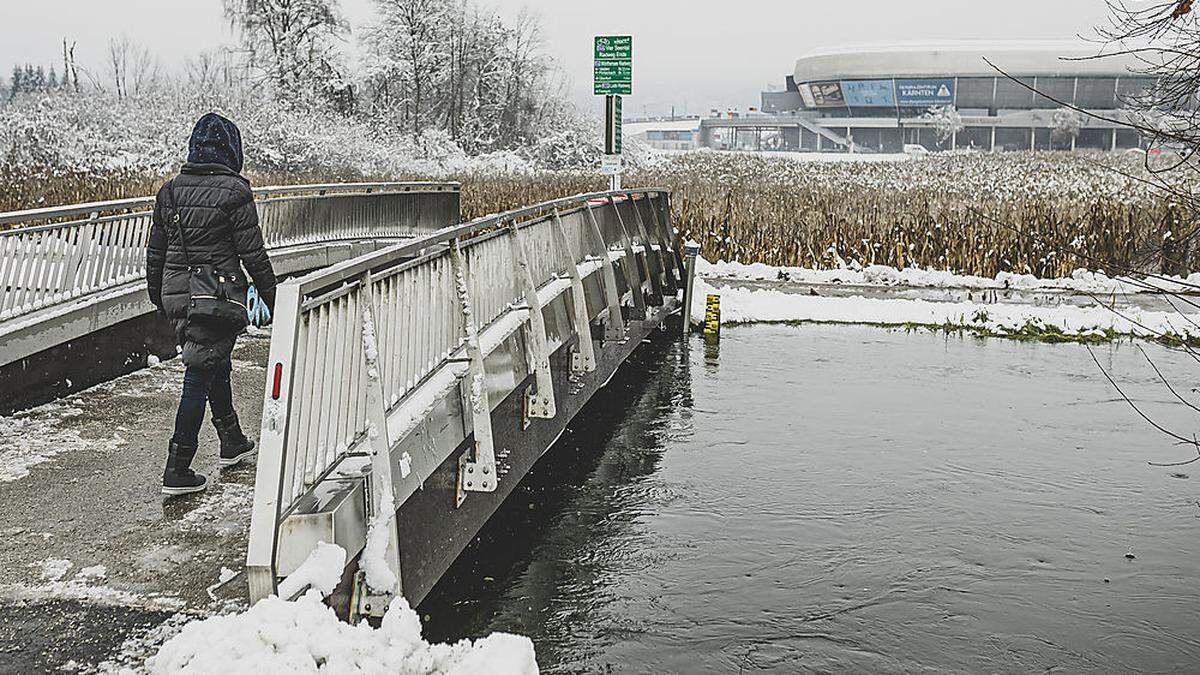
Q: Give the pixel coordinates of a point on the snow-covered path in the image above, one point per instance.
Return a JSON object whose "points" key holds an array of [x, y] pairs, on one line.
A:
{"points": [[86, 531]]}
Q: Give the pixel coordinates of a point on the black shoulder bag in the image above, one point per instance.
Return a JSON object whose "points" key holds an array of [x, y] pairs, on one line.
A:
{"points": [[217, 296]]}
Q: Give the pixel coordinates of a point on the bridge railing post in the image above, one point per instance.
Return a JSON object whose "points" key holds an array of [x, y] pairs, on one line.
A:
{"points": [[583, 360], [540, 403], [614, 328], [381, 511], [279, 401], [477, 469], [654, 261], [631, 265]]}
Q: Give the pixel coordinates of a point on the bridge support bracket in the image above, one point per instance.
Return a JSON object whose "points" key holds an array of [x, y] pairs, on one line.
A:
{"points": [[539, 405], [477, 466], [583, 354], [473, 477], [614, 327], [632, 266], [364, 602]]}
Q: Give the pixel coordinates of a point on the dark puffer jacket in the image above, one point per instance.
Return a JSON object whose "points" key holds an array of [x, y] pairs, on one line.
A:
{"points": [[219, 225], [220, 228]]}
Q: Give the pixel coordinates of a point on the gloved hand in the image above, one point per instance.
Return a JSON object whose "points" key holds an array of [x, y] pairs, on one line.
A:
{"points": [[260, 307]]}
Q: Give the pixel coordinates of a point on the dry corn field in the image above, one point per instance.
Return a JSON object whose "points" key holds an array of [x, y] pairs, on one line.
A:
{"points": [[939, 212]]}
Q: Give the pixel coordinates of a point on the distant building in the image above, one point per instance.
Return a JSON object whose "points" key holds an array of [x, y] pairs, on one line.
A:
{"points": [[676, 135], [879, 99]]}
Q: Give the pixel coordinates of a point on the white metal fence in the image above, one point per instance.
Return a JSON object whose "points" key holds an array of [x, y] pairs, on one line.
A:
{"points": [[52, 255], [358, 344]]}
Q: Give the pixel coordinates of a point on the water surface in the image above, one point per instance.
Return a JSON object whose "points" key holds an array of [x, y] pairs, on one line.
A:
{"points": [[852, 499]]}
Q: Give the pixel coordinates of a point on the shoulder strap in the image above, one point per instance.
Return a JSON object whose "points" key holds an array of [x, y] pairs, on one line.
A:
{"points": [[174, 217]]}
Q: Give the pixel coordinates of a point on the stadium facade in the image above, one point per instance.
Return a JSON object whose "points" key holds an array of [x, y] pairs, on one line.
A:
{"points": [[879, 98]]}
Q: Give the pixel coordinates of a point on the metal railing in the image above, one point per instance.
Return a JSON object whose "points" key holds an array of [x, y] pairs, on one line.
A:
{"points": [[52, 255], [362, 349]]}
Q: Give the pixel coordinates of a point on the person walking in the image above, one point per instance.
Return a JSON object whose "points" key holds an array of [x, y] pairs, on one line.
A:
{"points": [[204, 230]]}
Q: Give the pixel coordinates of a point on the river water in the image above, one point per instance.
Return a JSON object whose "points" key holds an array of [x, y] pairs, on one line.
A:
{"points": [[852, 499]]}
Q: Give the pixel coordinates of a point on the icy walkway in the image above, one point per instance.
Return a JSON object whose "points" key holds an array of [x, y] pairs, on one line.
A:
{"points": [[92, 554]]}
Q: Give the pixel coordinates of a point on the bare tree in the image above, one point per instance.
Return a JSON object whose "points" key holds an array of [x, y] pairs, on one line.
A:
{"points": [[292, 44], [1163, 36], [70, 70]]}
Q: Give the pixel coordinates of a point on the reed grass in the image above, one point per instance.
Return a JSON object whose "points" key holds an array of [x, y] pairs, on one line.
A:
{"points": [[1059, 211]]}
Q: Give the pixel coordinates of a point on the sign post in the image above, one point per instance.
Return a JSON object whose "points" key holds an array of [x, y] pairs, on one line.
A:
{"points": [[612, 79]]}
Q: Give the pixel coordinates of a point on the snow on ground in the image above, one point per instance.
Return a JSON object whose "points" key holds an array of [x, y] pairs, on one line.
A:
{"points": [[38, 436], [769, 305], [741, 305], [1082, 281], [86, 584], [305, 636]]}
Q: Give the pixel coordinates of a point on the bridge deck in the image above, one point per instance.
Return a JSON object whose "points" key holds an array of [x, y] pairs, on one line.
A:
{"points": [[79, 483]]}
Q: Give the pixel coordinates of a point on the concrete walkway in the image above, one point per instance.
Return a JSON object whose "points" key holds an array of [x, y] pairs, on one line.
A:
{"points": [[92, 554]]}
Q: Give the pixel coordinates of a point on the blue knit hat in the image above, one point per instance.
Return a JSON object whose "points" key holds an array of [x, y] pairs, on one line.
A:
{"points": [[216, 140]]}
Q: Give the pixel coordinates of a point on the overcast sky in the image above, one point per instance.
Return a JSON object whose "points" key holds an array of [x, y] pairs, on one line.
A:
{"points": [[685, 54]]}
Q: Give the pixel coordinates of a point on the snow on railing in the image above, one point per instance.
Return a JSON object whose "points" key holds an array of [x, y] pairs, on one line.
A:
{"points": [[52, 255], [360, 351]]}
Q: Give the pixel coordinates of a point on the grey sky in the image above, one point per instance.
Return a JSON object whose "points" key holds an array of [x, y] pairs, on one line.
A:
{"points": [[691, 54]]}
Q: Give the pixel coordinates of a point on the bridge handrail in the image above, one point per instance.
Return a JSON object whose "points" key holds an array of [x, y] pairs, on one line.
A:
{"points": [[53, 213], [99, 246], [361, 343]]}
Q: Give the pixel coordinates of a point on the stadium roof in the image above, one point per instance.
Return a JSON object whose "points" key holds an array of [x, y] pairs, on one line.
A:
{"points": [[964, 59]]}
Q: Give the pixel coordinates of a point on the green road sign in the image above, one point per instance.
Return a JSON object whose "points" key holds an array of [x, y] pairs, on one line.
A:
{"points": [[614, 47], [612, 125], [610, 88], [613, 72]]}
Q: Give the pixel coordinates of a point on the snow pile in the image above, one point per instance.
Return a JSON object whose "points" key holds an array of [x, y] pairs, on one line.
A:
{"points": [[379, 575], [768, 305], [322, 570], [305, 636], [1082, 281]]}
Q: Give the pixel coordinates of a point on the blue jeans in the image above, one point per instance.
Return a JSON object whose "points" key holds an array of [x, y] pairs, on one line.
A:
{"points": [[209, 384]]}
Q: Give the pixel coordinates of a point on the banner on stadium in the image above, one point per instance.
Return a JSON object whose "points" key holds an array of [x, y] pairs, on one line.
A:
{"points": [[827, 94], [869, 93], [925, 92]]}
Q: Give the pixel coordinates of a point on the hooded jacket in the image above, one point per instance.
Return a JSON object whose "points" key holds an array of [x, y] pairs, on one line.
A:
{"points": [[218, 222]]}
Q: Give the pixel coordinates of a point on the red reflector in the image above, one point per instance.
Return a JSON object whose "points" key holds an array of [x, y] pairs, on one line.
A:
{"points": [[278, 381]]}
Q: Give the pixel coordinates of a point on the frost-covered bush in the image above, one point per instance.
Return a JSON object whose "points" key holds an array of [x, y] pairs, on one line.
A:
{"points": [[147, 134]]}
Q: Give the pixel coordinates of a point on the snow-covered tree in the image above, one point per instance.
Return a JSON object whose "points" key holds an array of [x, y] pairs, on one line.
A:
{"points": [[1065, 125], [455, 66], [293, 45], [946, 121]]}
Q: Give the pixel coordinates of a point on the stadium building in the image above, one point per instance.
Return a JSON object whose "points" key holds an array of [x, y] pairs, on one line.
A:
{"points": [[879, 99]]}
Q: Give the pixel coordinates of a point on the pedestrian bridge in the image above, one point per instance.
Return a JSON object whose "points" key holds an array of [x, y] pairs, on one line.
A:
{"points": [[418, 367], [72, 287]]}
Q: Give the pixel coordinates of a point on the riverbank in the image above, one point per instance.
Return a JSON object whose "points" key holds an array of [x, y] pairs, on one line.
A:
{"points": [[1086, 307]]}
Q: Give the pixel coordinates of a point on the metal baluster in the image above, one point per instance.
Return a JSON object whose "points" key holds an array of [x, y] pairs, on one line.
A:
{"points": [[541, 403], [476, 470], [583, 358], [614, 328], [630, 265]]}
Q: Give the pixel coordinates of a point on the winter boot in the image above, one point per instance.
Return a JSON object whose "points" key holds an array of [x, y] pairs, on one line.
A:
{"points": [[234, 445], [179, 479]]}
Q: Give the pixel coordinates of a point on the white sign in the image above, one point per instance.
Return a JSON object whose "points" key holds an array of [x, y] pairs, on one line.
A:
{"points": [[610, 165]]}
